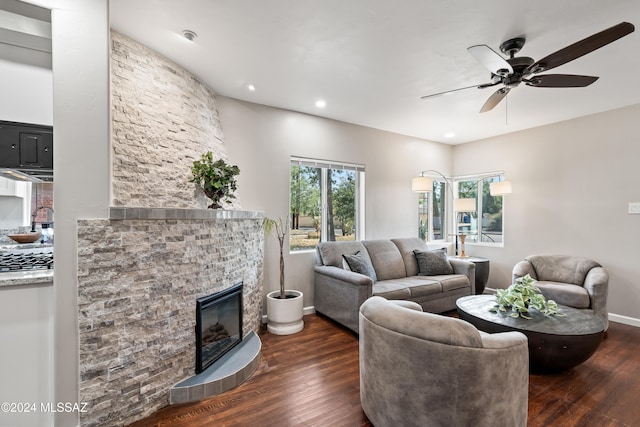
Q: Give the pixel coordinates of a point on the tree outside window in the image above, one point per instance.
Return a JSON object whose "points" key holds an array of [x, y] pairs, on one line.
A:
{"points": [[312, 183], [487, 229], [432, 214]]}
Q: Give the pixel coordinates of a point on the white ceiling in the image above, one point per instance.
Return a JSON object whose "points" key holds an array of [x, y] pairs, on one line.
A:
{"points": [[372, 60]]}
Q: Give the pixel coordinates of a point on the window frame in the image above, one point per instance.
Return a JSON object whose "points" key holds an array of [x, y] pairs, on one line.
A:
{"points": [[480, 180], [324, 166], [446, 218]]}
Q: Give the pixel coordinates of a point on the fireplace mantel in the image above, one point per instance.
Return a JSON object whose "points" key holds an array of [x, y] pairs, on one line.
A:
{"points": [[126, 213]]}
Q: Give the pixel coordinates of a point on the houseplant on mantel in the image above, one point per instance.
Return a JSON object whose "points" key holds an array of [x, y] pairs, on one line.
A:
{"points": [[217, 179], [284, 306]]}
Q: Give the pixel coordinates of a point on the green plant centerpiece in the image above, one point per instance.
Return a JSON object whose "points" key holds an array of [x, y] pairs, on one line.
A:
{"points": [[280, 227], [520, 296], [217, 179]]}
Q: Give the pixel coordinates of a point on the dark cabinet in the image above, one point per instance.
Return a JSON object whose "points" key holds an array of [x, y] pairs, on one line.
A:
{"points": [[25, 145]]}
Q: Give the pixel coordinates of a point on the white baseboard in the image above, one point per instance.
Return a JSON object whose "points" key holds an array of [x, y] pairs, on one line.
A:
{"points": [[631, 321], [305, 311], [626, 320]]}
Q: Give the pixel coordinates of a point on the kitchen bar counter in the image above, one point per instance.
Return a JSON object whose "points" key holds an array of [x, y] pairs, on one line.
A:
{"points": [[26, 277]]}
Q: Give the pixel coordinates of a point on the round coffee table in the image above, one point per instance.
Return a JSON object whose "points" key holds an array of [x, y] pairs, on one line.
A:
{"points": [[555, 342]]}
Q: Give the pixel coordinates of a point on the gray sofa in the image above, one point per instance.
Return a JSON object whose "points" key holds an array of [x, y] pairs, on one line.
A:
{"points": [[422, 369], [339, 292]]}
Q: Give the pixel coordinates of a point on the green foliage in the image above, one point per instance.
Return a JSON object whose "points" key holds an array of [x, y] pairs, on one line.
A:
{"points": [[304, 193], [344, 202], [215, 178], [305, 196], [520, 296]]}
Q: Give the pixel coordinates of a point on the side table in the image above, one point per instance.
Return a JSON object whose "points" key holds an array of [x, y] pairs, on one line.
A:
{"points": [[482, 271]]}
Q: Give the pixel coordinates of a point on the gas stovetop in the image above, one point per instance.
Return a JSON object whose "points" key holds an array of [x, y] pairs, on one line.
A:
{"points": [[16, 261]]}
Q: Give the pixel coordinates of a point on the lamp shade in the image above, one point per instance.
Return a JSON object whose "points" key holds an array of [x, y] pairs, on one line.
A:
{"points": [[422, 184], [464, 205], [499, 188]]}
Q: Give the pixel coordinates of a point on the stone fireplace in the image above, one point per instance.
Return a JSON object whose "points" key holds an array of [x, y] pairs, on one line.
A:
{"points": [[141, 269], [140, 274]]}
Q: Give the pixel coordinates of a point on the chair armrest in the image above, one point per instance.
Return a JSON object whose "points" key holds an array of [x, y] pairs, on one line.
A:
{"points": [[523, 268], [597, 281], [467, 268], [407, 304], [597, 285], [503, 339]]}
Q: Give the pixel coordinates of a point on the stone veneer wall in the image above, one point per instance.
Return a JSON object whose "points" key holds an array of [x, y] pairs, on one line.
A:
{"points": [[141, 270], [163, 118], [138, 280]]}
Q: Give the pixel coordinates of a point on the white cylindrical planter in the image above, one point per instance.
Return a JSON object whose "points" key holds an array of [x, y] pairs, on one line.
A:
{"points": [[284, 315]]}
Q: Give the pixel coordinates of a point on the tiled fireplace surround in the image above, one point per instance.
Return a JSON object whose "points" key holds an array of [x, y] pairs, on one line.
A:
{"points": [[141, 269], [140, 273]]}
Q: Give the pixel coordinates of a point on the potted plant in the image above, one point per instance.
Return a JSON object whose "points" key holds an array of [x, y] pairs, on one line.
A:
{"points": [[284, 306], [520, 296], [215, 178]]}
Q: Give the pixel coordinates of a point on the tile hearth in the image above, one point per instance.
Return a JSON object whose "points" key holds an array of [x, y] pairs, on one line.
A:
{"points": [[231, 370]]}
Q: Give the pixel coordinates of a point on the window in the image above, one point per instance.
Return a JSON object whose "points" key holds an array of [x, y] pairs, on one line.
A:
{"points": [[325, 202], [432, 213], [487, 229]]}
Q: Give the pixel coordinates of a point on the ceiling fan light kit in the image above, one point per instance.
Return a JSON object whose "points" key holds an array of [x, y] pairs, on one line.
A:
{"points": [[515, 70]]}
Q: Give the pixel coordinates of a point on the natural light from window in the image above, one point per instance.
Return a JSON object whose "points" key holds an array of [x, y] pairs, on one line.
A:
{"points": [[325, 200]]}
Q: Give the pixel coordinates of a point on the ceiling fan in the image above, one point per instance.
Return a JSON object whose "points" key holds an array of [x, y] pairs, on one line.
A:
{"points": [[511, 72]]}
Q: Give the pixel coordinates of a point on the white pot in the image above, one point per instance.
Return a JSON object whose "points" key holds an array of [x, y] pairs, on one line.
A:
{"points": [[284, 315]]}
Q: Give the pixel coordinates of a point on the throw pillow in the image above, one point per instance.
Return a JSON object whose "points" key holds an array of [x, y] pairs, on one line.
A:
{"points": [[433, 263], [360, 263]]}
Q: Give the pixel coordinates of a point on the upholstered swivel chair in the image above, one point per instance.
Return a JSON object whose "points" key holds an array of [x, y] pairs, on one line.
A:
{"points": [[569, 280], [423, 369]]}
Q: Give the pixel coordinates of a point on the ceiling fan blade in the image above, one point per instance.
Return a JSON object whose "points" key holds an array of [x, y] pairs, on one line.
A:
{"points": [[491, 60], [580, 48], [495, 99], [560, 80], [447, 92]]}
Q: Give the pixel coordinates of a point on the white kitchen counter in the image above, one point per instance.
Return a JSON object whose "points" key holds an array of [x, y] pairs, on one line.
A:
{"points": [[26, 277]]}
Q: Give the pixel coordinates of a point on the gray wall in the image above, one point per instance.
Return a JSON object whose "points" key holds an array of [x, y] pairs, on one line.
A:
{"points": [[572, 183], [261, 141]]}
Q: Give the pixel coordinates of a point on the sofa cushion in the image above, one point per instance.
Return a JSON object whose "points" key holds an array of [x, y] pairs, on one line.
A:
{"points": [[433, 263], [330, 253], [406, 246], [452, 282], [391, 289], [360, 263], [565, 294], [386, 259], [423, 287], [416, 286]]}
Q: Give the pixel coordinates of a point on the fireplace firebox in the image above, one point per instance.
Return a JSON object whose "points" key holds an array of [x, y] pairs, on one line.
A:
{"points": [[218, 325]]}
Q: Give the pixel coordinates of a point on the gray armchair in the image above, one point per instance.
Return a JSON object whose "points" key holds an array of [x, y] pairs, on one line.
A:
{"points": [[423, 369], [569, 280]]}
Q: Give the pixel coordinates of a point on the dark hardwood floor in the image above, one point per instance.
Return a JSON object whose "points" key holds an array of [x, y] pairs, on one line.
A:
{"points": [[311, 379]]}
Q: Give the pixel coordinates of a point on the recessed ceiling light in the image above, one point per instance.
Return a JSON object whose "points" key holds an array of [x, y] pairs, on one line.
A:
{"points": [[449, 135], [189, 35], [251, 87], [321, 103]]}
